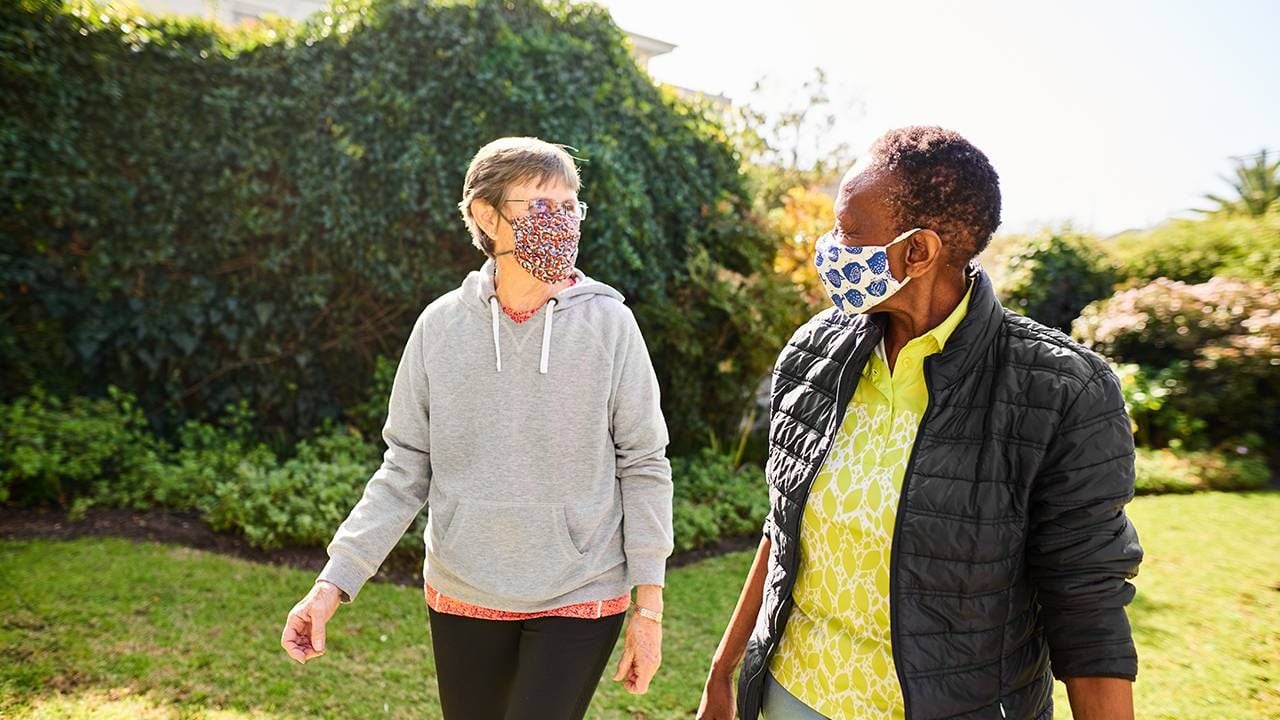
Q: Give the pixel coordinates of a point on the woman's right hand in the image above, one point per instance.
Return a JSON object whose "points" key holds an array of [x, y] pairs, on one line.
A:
{"points": [[717, 697], [303, 636]]}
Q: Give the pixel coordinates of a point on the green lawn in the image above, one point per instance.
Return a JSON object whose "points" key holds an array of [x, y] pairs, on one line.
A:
{"points": [[112, 629]]}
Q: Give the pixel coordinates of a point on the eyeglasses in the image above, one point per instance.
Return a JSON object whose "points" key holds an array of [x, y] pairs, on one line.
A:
{"points": [[542, 206]]}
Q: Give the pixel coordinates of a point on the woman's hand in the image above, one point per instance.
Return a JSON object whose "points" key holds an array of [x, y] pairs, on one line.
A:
{"points": [[303, 636], [642, 649], [641, 654], [717, 697]]}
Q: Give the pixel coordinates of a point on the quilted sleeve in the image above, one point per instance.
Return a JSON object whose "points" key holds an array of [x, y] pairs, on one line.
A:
{"points": [[1082, 548]]}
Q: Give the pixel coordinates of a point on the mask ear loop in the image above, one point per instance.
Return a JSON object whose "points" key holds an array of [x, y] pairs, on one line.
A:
{"points": [[504, 217], [904, 236]]}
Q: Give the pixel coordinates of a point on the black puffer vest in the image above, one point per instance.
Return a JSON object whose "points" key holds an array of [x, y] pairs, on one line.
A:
{"points": [[1011, 549]]}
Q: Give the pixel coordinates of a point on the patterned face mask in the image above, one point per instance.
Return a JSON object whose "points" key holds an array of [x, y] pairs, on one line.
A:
{"points": [[546, 244], [857, 277]]}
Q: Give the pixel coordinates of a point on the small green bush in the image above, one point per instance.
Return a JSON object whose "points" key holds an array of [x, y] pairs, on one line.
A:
{"points": [[1195, 251], [1156, 401], [82, 453], [1052, 276], [206, 454], [1173, 471], [53, 451], [715, 500], [300, 502]]}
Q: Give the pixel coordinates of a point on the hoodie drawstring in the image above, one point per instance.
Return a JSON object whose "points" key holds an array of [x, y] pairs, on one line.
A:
{"points": [[494, 311], [546, 336], [497, 344]]}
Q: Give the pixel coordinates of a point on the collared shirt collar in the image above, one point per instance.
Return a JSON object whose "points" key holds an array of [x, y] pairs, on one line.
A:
{"points": [[937, 336]]}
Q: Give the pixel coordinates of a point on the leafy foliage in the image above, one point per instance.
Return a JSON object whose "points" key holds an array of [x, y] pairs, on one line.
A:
{"points": [[715, 500], [1051, 276], [83, 453], [204, 216], [805, 214], [54, 450], [1156, 406], [1194, 251], [1175, 471], [300, 501], [1215, 347], [1255, 183]]}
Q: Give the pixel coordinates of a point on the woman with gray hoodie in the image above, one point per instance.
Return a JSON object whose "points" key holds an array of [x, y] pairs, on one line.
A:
{"points": [[525, 416]]}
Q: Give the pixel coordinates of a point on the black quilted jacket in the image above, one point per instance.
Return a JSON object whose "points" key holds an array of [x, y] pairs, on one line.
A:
{"points": [[1011, 549]]}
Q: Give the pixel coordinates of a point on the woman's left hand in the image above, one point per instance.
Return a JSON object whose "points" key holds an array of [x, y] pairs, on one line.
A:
{"points": [[641, 654]]}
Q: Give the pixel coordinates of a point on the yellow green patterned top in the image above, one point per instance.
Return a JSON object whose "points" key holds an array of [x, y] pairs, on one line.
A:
{"points": [[835, 653]]}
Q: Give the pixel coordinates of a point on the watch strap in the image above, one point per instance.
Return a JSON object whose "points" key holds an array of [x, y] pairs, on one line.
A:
{"points": [[653, 615]]}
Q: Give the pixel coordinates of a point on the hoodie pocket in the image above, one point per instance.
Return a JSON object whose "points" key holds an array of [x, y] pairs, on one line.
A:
{"points": [[515, 550]]}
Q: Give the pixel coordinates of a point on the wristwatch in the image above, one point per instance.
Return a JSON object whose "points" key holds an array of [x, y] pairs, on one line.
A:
{"points": [[653, 615]]}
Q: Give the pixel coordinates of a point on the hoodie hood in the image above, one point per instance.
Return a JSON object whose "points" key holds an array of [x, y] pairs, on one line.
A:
{"points": [[479, 292], [478, 287]]}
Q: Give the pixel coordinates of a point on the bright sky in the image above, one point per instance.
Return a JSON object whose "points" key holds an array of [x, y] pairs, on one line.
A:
{"points": [[1111, 114]]}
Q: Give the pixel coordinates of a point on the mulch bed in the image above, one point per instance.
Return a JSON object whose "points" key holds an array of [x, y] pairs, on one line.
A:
{"points": [[187, 529]]}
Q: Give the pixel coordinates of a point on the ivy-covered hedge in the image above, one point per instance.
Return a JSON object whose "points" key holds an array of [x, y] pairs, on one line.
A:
{"points": [[203, 216]]}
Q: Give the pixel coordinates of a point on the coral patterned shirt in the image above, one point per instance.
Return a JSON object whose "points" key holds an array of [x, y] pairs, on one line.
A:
{"points": [[520, 316], [590, 610]]}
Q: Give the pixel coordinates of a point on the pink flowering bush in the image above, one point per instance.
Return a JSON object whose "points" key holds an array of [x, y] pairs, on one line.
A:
{"points": [[1214, 348]]}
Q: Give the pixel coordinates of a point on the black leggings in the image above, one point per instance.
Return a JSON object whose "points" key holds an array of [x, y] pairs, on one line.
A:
{"points": [[541, 669]]}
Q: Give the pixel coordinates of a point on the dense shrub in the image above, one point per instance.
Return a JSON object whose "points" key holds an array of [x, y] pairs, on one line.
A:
{"points": [[299, 502], [204, 216], [1170, 320], [1156, 401], [1214, 348], [81, 452], [1171, 471], [1195, 251], [204, 455], [54, 450], [84, 453], [715, 500], [1052, 276]]}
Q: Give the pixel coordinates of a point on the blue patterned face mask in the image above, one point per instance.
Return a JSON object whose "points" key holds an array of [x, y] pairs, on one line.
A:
{"points": [[857, 277]]}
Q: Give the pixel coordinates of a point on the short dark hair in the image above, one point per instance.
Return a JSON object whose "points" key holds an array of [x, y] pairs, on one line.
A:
{"points": [[943, 183]]}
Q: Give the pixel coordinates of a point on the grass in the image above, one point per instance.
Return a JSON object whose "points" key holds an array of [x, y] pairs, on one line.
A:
{"points": [[113, 629]]}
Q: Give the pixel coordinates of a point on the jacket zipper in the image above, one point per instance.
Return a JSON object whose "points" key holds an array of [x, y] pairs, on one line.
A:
{"points": [[842, 405], [893, 548]]}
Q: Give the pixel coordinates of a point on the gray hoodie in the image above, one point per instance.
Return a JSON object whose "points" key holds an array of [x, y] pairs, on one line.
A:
{"points": [[539, 450]]}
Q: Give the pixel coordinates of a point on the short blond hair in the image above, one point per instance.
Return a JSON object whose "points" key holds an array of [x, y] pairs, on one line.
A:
{"points": [[505, 162]]}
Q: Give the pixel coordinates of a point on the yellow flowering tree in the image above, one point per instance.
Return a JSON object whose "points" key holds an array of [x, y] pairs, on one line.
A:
{"points": [[805, 214]]}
